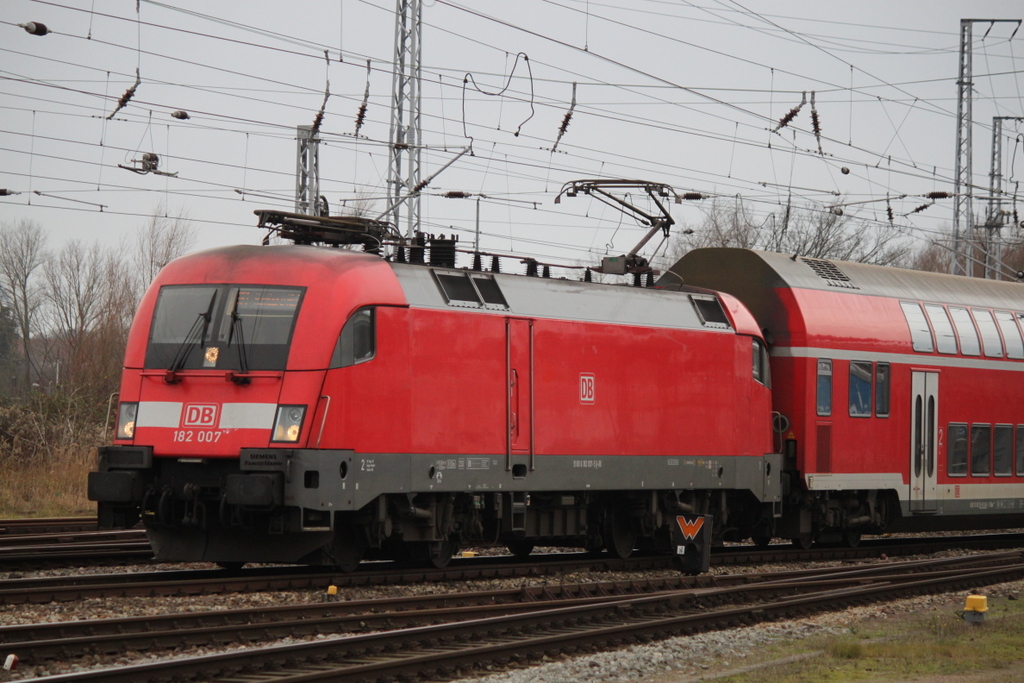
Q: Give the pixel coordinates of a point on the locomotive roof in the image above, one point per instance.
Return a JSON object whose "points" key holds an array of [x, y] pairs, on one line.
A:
{"points": [[751, 275]]}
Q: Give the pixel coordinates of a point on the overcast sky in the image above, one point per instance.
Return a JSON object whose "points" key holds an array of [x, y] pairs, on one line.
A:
{"points": [[677, 92]]}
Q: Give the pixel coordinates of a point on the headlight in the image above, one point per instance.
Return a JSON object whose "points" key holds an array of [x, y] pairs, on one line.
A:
{"points": [[288, 423], [126, 413]]}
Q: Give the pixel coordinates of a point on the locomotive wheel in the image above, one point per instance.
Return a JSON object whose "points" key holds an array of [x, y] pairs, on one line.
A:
{"points": [[619, 534], [440, 553], [349, 547], [803, 542], [520, 548]]}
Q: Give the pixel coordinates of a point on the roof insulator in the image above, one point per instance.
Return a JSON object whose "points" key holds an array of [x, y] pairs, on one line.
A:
{"points": [[35, 28]]}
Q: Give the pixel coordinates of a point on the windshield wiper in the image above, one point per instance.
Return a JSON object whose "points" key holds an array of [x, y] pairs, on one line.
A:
{"points": [[239, 338], [195, 336]]}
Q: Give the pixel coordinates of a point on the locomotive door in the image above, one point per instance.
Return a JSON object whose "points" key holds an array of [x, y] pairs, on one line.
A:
{"points": [[519, 397], [924, 433]]}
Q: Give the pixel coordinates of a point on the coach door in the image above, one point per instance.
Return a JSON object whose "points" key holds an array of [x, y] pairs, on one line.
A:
{"points": [[519, 364], [924, 433]]}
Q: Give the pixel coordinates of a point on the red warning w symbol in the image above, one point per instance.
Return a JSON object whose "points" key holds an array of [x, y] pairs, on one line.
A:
{"points": [[689, 528]]}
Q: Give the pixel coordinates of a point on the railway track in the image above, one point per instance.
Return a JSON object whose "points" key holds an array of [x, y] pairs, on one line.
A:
{"points": [[46, 525], [36, 642], [475, 631], [213, 581]]}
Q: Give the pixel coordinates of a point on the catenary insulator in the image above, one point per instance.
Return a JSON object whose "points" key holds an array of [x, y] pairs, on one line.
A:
{"points": [[939, 195], [35, 28], [692, 196], [844, 170], [181, 115]]}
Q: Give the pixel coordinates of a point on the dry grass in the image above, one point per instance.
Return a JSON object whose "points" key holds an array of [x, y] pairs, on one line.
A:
{"points": [[52, 486], [47, 449]]}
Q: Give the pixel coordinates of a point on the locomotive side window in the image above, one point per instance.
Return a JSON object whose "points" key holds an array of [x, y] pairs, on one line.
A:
{"points": [[824, 387], [882, 374], [989, 334], [920, 333], [761, 372], [944, 337], [860, 388], [1020, 450], [956, 461], [1002, 450], [1011, 334], [357, 342], [710, 311], [981, 450], [965, 331]]}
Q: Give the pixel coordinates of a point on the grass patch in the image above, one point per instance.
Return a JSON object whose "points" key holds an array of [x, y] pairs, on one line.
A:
{"points": [[926, 647], [49, 486]]}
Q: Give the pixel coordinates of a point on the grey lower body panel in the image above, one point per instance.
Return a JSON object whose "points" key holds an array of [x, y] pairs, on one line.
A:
{"points": [[335, 480]]}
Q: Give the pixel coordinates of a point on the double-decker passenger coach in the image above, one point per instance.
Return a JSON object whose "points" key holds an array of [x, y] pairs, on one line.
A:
{"points": [[903, 391]]}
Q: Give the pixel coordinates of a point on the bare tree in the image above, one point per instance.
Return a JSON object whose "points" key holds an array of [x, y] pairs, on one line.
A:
{"points": [[158, 243], [794, 230], [22, 252], [74, 294]]}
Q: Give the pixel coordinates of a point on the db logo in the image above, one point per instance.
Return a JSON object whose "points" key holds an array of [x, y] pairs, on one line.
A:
{"points": [[199, 415], [586, 388]]}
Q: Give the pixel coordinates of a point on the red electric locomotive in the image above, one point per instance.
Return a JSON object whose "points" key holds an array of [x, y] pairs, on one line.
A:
{"points": [[318, 405], [903, 391]]}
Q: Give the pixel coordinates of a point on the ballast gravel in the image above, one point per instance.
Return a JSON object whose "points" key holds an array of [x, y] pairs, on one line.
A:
{"points": [[675, 660]]}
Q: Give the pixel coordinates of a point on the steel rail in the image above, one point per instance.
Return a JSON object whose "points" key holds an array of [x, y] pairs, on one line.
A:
{"points": [[445, 648]]}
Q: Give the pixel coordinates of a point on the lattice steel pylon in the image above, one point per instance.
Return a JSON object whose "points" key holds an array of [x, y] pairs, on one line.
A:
{"points": [[994, 218], [963, 218], [406, 133], [307, 170]]}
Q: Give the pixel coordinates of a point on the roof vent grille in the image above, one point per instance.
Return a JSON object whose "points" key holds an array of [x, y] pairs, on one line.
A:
{"points": [[830, 273]]}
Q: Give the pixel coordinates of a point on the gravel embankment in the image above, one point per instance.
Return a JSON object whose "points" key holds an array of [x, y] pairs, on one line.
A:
{"points": [[676, 658]]}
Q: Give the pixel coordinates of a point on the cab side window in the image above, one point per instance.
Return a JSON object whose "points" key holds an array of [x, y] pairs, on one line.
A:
{"points": [[760, 354], [358, 340]]}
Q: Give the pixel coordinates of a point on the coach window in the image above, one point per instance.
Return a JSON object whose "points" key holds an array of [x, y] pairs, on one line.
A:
{"points": [[989, 334], [981, 450], [357, 342], [1002, 450], [882, 390], [860, 388], [920, 333], [965, 332], [1020, 450], [956, 461], [945, 340], [824, 387], [1011, 334]]}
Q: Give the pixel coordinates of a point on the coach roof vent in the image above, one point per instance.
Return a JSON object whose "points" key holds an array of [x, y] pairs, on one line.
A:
{"points": [[830, 273]]}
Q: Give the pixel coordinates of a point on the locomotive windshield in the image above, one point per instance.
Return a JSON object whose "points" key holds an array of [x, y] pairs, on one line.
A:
{"points": [[227, 327]]}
